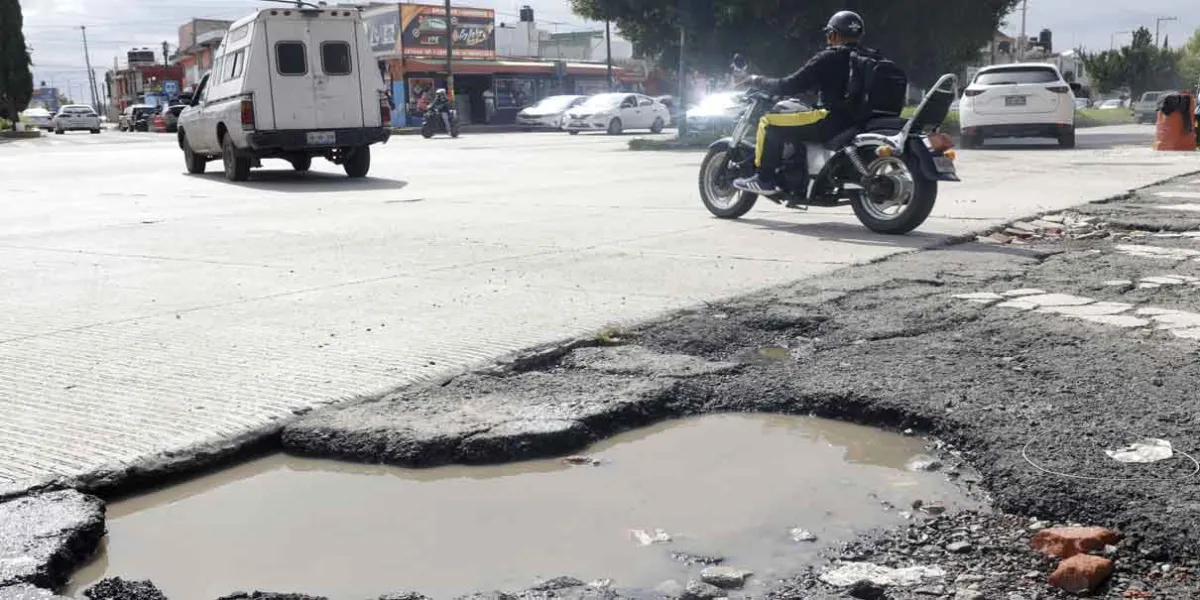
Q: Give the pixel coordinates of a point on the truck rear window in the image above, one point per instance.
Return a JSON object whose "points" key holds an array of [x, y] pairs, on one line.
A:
{"points": [[335, 58], [1017, 75], [290, 58]]}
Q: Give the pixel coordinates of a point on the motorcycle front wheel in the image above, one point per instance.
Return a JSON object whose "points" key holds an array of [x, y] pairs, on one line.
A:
{"points": [[716, 187], [427, 129], [897, 198]]}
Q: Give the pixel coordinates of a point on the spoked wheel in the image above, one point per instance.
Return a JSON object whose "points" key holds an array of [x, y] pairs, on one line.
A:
{"points": [[716, 187], [895, 199]]}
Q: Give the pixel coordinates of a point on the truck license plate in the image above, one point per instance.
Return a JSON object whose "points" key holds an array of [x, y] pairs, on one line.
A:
{"points": [[322, 138], [943, 165]]}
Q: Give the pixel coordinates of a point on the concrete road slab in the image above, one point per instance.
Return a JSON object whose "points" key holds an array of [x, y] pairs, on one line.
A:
{"points": [[145, 312]]}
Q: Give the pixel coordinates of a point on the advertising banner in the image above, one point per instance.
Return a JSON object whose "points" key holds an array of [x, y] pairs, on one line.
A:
{"points": [[424, 31], [383, 29]]}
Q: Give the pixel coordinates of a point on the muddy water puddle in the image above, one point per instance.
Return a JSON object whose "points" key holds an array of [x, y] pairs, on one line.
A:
{"points": [[732, 486]]}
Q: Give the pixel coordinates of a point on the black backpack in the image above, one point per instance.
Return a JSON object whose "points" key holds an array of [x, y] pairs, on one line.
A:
{"points": [[878, 87]]}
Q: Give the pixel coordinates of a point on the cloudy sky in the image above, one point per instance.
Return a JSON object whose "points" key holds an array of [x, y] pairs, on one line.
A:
{"points": [[114, 26]]}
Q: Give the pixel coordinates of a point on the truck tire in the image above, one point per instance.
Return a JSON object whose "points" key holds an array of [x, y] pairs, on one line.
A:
{"points": [[237, 167], [195, 163], [359, 163]]}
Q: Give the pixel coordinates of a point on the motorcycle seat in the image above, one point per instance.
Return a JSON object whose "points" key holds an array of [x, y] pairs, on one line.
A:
{"points": [[886, 124], [880, 124]]}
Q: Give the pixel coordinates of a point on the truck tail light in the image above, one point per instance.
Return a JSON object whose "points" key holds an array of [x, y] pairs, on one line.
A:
{"points": [[385, 111], [247, 113]]}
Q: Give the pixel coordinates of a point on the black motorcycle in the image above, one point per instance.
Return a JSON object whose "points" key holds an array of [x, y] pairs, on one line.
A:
{"points": [[435, 123], [886, 169]]}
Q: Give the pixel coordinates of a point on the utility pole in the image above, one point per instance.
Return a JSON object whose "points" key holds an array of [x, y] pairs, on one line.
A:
{"points": [[681, 126], [87, 60], [1157, 26], [1112, 44], [449, 51], [166, 55], [1022, 41], [608, 51]]}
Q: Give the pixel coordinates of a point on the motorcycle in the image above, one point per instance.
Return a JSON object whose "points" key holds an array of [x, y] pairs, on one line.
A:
{"points": [[887, 170], [435, 123]]}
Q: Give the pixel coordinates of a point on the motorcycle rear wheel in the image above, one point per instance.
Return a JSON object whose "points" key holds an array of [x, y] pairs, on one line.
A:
{"points": [[911, 209], [716, 187]]}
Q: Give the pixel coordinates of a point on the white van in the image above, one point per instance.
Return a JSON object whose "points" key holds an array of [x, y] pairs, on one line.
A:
{"points": [[288, 83]]}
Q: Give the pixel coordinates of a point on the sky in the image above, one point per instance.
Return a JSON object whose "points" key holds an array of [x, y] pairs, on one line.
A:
{"points": [[114, 26]]}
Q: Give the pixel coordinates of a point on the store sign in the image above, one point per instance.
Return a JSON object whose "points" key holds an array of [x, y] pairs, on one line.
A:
{"points": [[383, 30], [425, 30]]}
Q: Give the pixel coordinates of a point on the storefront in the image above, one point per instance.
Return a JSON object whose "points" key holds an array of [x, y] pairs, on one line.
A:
{"points": [[409, 43], [494, 91]]}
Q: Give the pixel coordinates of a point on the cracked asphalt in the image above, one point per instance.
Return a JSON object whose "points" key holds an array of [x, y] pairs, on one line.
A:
{"points": [[1009, 354]]}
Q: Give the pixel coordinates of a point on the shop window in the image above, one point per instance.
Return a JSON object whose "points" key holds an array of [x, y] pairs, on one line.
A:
{"points": [[335, 58], [291, 58]]}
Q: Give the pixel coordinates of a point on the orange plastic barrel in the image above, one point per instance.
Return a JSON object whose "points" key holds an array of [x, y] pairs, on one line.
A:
{"points": [[1176, 127]]}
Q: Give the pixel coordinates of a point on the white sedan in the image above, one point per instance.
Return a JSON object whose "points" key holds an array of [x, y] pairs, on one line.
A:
{"points": [[76, 117], [616, 113], [548, 113], [39, 117]]}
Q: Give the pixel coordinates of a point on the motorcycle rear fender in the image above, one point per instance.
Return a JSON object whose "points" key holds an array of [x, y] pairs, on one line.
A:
{"points": [[727, 142], [916, 146]]}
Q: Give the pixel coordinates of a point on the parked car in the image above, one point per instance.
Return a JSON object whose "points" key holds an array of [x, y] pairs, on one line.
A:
{"points": [[1111, 104], [1146, 109], [131, 115], [1017, 101], [672, 108], [617, 112], [290, 85], [170, 117], [1081, 103], [38, 117], [716, 114], [76, 117], [548, 113]]}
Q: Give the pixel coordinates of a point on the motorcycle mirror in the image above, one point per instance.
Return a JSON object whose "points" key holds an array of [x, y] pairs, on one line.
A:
{"points": [[739, 63]]}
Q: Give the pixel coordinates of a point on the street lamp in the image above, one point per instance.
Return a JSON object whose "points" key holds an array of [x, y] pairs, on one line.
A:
{"points": [[1157, 23]]}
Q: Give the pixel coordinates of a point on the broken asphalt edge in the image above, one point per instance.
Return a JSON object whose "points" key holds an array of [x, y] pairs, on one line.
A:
{"points": [[123, 480]]}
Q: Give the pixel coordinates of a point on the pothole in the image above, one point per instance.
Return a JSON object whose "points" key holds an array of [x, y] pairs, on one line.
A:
{"points": [[735, 487]]}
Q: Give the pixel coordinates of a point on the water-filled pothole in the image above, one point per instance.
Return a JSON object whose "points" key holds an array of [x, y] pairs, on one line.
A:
{"points": [[732, 486]]}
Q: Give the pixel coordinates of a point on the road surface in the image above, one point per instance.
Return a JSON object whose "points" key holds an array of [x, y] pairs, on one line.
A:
{"points": [[146, 312]]}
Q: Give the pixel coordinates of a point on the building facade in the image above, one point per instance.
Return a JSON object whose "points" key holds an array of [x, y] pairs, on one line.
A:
{"points": [[198, 40]]}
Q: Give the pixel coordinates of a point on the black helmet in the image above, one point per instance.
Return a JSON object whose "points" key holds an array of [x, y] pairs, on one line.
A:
{"points": [[847, 24]]}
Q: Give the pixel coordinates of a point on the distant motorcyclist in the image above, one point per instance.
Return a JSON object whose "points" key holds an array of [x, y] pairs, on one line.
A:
{"points": [[829, 73], [441, 106]]}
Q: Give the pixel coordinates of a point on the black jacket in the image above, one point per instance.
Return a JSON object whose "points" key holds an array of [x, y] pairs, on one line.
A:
{"points": [[828, 74]]}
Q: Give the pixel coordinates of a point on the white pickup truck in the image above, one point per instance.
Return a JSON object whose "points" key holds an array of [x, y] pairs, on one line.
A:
{"points": [[288, 83], [1146, 109]]}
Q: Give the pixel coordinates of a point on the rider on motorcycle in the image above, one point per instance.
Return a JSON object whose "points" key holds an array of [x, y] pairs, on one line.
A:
{"points": [[827, 73], [441, 106]]}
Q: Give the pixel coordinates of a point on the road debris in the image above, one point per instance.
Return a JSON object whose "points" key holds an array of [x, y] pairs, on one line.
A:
{"points": [[647, 538], [1145, 451]]}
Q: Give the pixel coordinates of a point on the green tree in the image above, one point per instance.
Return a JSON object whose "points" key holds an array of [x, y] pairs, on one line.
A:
{"points": [[1189, 63], [1140, 66], [16, 80], [777, 36]]}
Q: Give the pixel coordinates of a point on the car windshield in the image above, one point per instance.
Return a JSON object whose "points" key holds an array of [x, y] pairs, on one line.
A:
{"points": [[720, 101], [78, 110], [603, 101], [1017, 75], [554, 103], [1150, 96]]}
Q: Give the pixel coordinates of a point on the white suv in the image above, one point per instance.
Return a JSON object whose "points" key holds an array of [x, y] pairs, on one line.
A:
{"points": [[76, 117], [1018, 101]]}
